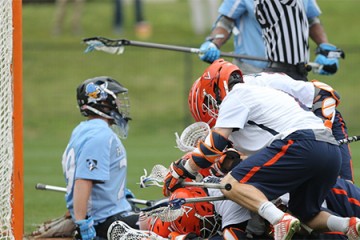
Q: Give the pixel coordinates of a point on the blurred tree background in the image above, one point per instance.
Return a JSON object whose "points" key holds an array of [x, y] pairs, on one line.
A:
{"points": [[158, 83]]}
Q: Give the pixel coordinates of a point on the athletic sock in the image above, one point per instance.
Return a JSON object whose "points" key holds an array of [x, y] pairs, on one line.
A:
{"points": [[338, 224], [270, 212]]}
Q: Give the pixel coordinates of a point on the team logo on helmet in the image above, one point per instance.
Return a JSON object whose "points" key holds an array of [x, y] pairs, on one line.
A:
{"points": [[95, 92], [207, 76]]}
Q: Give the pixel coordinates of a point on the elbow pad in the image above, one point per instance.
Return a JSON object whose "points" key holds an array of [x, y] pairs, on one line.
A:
{"points": [[313, 21], [225, 23], [208, 152], [326, 99]]}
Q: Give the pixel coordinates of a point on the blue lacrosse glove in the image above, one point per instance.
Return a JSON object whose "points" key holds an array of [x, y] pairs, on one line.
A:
{"points": [[209, 52], [128, 193], [86, 229], [328, 56]]}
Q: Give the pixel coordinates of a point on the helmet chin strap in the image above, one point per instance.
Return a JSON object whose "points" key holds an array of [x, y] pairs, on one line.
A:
{"points": [[120, 124], [94, 110]]}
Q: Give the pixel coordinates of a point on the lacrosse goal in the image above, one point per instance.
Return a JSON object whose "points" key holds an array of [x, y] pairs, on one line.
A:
{"points": [[11, 164]]}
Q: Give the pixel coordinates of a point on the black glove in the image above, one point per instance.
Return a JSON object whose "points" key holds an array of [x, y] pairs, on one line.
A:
{"points": [[228, 161]]}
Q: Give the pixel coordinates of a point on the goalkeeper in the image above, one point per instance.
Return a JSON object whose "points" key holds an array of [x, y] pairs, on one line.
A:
{"points": [[94, 162]]}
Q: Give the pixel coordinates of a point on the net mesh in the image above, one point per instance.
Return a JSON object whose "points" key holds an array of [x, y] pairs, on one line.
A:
{"points": [[119, 230], [191, 136], [156, 176], [167, 214], [6, 138]]}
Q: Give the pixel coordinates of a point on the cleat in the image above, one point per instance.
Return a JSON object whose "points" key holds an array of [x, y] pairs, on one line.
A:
{"points": [[286, 227], [354, 229]]}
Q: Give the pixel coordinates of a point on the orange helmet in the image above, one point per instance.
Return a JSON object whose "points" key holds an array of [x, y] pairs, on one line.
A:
{"points": [[198, 108], [208, 91], [199, 217], [160, 228]]}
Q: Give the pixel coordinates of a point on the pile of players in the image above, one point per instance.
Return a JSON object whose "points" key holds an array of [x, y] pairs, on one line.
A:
{"points": [[293, 176], [273, 138]]}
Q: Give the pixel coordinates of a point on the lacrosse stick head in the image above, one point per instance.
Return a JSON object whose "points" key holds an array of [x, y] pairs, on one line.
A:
{"points": [[105, 45], [210, 89], [155, 178], [198, 217], [191, 135], [119, 230]]}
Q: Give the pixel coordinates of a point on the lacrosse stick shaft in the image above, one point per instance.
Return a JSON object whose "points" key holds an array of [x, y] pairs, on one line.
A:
{"points": [[204, 199], [41, 186], [182, 201], [349, 140], [124, 42], [140, 201], [208, 185], [314, 66], [191, 50]]}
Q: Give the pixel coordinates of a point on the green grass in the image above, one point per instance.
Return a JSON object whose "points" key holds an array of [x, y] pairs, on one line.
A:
{"points": [[158, 81]]}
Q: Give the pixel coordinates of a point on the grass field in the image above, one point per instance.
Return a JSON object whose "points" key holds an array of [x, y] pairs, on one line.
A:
{"points": [[158, 82]]}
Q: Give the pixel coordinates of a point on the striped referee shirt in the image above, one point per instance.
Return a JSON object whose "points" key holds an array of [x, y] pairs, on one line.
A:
{"points": [[285, 30]]}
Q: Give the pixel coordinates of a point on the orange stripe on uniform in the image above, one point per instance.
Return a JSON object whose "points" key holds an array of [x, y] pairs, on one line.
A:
{"points": [[250, 174], [268, 163], [334, 233], [343, 192]]}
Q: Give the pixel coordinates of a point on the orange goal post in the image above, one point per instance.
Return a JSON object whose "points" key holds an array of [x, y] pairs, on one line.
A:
{"points": [[11, 121]]}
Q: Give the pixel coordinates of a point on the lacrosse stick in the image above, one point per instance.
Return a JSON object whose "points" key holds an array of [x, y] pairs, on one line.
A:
{"points": [[169, 210], [119, 230], [117, 47], [191, 135], [156, 176], [159, 172], [349, 140], [41, 186]]}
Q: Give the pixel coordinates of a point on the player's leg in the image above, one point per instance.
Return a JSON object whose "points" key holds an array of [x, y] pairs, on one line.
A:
{"points": [[344, 199], [340, 132]]}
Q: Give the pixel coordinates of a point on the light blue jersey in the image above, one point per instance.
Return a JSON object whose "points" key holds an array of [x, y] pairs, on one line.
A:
{"points": [[248, 36], [96, 153]]}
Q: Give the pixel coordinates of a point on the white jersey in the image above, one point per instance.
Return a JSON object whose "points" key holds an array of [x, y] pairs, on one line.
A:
{"points": [[230, 212], [262, 114], [301, 90]]}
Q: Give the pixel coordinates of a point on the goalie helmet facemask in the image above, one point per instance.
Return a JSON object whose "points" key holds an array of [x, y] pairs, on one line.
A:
{"points": [[198, 109], [105, 97], [210, 89]]}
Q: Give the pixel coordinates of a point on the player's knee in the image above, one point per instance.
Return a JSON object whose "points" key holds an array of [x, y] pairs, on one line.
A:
{"points": [[232, 233]]}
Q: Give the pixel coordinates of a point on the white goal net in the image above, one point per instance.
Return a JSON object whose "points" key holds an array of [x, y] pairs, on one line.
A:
{"points": [[6, 118]]}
